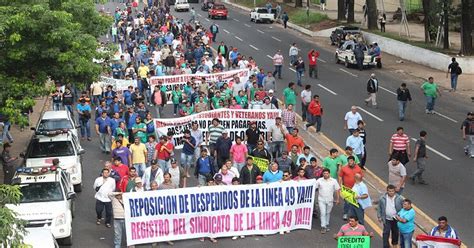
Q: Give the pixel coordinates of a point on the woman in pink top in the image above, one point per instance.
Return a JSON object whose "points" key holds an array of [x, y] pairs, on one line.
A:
{"points": [[238, 153]]}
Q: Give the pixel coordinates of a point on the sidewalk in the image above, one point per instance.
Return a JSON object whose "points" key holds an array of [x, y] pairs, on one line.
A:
{"points": [[22, 138]]}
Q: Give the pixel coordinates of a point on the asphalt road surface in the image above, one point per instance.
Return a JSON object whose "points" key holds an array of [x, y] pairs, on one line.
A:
{"points": [[448, 171]]}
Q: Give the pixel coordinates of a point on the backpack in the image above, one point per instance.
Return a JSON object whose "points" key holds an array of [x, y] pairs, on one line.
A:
{"points": [[459, 70]]}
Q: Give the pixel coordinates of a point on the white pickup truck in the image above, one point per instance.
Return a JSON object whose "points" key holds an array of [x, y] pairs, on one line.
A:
{"points": [[262, 15]]}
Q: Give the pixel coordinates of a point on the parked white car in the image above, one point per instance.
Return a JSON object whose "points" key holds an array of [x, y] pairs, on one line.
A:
{"points": [[262, 15], [181, 5], [40, 238], [55, 120], [47, 200], [64, 146]]}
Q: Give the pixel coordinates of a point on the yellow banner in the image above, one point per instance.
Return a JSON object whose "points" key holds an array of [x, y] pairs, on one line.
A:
{"points": [[261, 163], [349, 195]]}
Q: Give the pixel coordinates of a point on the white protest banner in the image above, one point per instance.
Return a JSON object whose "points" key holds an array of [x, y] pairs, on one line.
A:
{"points": [[235, 121], [119, 85], [171, 82], [219, 211]]}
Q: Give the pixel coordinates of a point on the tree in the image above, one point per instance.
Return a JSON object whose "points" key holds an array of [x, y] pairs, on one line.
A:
{"points": [[298, 3], [428, 20], [446, 5], [42, 40], [466, 27], [11, 228], [371, 6], [341, 15], [350, 11]]}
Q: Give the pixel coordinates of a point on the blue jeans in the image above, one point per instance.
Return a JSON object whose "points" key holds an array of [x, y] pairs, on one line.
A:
{"points": [[454, 81], [430, 102], [105, 142], [277, 71], [6, 135], [163, 165], [239, 166], [69, 108], [359, 212], [140, 167], [293, 59], [175, 108], [402, 106], [277, 148], [405, 240], [85, 128], [57, 106], [119, 230], [186, 160], [299, 75], [202, 180]]}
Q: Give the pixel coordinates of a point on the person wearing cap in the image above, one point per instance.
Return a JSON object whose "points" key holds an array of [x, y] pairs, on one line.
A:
{"points": [[219, 180], [138, 185], [204, 167], [259, 179], [357, 143], [273, 175], [8, 162], [178, 174], [273, 98], [267, 104], [306, 154], [372, 89], [467, 129], [152, 173], [249, 173], [351, 118]]}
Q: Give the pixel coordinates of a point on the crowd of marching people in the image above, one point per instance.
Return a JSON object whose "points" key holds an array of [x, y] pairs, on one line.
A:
{"points": [[152, 42]]}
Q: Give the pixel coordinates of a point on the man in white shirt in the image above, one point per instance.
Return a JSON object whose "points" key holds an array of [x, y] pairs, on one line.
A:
{"points": [[357, 143], [152, 174], [327, 187], [397, 174], [103, 186], [305, 100], [351, 119], [278, 63]]}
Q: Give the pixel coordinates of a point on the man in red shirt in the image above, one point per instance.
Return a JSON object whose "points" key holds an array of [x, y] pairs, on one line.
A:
{"points": [[120, 168], [163, 151], [294, 139], [315, 111], [313, 60], [347, 178]]}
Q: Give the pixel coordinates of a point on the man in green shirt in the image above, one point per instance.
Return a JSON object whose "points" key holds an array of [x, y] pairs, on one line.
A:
{"points": [[348, 152], [139, 130], [215, 99], [332, 162], [431, 91], [176, 98], [241, 99], [289, 94]]}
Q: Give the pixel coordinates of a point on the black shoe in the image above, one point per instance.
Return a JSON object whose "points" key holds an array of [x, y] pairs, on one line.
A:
{"points": [[423, 182]]}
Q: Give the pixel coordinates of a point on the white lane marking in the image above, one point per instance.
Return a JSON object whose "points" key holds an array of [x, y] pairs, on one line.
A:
{"points": [[348, 72], [438, 113], [238, 38], [435, 151], [328, 90], [367, 112], [254, 47], [448, 118], [275, 38], [270, 57], [260, 31], [207, 19], [225, 30], [235, 20], [199, 15], [247, 25], [291, 69], [322, 60], [389, 91]]}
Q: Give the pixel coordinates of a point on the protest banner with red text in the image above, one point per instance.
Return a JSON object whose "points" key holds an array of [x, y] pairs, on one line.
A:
{"points": [[218, 211], [235, 121], [171, 82]]}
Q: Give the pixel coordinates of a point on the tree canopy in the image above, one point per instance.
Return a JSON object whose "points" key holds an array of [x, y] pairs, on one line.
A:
{"points": [[41, 39]]}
